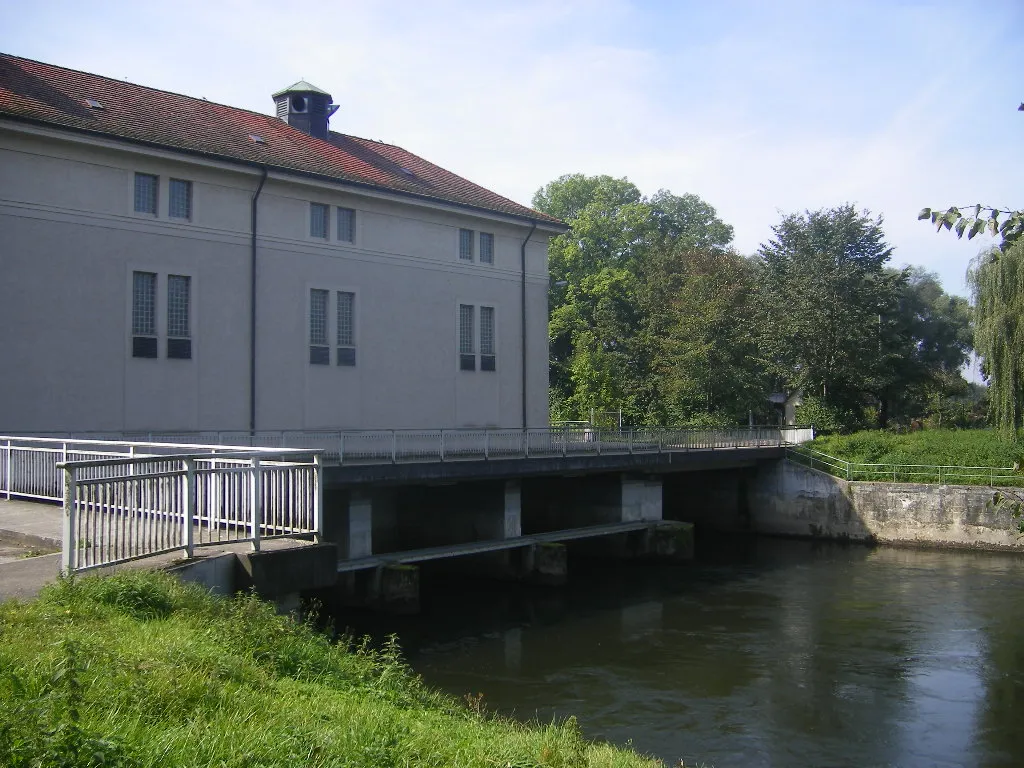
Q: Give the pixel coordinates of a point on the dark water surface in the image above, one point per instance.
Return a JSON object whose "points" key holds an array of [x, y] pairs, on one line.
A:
{"points": [[773, 653]]}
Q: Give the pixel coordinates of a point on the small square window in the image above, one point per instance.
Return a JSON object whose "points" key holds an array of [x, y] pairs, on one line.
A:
{"points": [[486, 248], [318, 217], [145, 193], [466, 244], [346, 225], [180, 199]]}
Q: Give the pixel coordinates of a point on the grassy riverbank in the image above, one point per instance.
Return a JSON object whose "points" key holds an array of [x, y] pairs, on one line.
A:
{"points": [[139, 670], [965, 448]]}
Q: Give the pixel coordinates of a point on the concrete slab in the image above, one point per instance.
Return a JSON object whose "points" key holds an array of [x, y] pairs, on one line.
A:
{"points": [[37, 519]]}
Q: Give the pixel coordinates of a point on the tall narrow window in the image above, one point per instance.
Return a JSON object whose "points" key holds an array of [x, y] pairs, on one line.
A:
{"points": [[143, 314], [346, 225], [319, 347], [179, 199], [467, 349], [318, 216], [179, 336], [487, 356], [346, 328], [466, 244], [486, 248], [145, 193]]}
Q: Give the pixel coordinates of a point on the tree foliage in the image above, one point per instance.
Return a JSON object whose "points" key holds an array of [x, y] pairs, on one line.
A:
{"points": [[996, 280], [824, 287], [644, 301]]}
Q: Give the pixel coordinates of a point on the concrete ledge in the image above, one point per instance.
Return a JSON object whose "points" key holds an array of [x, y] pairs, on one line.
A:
{"points": [[279, 572]]}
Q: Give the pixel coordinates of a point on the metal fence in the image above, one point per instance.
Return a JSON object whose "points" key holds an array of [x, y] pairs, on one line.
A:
{"points": [[123, 508], [397, 446], [906, 473]]}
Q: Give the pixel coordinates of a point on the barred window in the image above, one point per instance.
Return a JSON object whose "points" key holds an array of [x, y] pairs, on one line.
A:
{"points": [[346, 328], [487, 356], [346, 225], [486, 248], [178, 288], [319, 351], [466, 244], [145, 193], [486, 330], [318, 216], [143, 314], [180, 199], [179, 343], [467, 348]]}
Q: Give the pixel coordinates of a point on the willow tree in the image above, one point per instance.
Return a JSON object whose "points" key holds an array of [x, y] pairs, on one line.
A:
{"points": [[996, 280]]}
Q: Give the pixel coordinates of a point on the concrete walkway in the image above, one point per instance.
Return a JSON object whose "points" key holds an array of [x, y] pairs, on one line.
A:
{"points": [[26, 530]]}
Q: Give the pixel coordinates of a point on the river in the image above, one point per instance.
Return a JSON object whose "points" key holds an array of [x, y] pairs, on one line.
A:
{"points": [[760, 653]]}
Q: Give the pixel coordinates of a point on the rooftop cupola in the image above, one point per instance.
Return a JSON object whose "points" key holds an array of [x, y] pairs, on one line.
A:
{"points": [[306, 107]]}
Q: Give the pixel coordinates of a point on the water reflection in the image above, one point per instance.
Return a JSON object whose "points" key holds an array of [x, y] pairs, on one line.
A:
{"points": [[774, 653]]}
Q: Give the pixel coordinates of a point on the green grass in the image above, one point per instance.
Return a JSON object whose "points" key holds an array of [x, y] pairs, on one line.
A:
{"points": [[964, 448], [140, 670], [909, 457]]}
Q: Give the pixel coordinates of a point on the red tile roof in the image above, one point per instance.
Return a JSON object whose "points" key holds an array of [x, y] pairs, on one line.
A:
{"points": [[43, 93]]}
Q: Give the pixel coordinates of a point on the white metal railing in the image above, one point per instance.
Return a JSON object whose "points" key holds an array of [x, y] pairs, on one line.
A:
{"points": [[397, 446], [906, 473], [119, 509]]}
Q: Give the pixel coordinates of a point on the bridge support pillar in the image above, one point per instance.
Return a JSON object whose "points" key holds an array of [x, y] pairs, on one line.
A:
{"points": [[640, 498]]}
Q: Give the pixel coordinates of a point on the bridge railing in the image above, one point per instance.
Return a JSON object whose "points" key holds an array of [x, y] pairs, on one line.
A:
{"points": [[906, 473], [27, 464], [119, 509]]}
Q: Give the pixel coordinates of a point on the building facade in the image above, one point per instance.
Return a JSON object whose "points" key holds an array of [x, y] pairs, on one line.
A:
{"points": [[170, 264]]}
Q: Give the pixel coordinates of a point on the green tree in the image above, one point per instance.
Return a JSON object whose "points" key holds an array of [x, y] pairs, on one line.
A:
{"points": [[996, 280], [824, 286], [621, 323], [924, 341]]}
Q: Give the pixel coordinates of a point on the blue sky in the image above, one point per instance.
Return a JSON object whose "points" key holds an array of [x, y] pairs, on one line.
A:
{"points": [[761, 108]]}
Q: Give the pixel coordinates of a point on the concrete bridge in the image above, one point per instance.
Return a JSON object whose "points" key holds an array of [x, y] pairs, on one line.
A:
{"points": [[364, 508]]}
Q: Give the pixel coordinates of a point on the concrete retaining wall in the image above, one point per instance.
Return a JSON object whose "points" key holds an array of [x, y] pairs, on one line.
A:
{"points": [[790, 499], [781, 498]]}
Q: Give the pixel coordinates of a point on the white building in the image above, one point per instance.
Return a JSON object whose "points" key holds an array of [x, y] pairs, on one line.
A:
{"points": [[167, 263]]}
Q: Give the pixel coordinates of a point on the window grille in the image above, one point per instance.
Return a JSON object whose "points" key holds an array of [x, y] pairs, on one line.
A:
{"points": [[318, 216], [346, 328], [346, 225], [487, 357], [179, 344], [180, 199], [486, 248], [467, 356], [145, 193], [319, 349], [466, 244], [143, 314]]}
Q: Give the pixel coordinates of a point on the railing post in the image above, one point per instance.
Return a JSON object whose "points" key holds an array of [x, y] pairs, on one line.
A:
{"points": [[68, 558], [394, 447], [341, 448], [442, 445], [630, 440], [187, 528], [598, 442], [487, 443], [565, 440], [256, 504], [526, 442], [848, 471], [7, 470], [318, 498]]}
